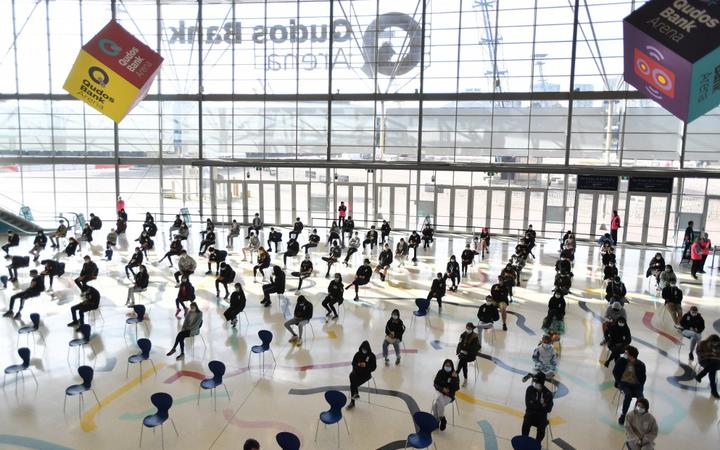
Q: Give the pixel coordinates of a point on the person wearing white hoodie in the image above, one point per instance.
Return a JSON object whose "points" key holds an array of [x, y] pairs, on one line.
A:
{"points": [[641, 428]]}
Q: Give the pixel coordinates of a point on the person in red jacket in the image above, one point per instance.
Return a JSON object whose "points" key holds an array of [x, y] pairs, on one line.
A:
{"points": [[696, 254], [614, 226], [706, 246]]}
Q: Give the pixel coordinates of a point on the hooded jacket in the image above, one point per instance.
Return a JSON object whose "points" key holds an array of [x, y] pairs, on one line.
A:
{"points": [[367, 358], [186, 264], [443, 379]]}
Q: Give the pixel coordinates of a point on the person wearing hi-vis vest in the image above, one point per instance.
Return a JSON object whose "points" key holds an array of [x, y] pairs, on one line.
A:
{"points": [[614, 226]]}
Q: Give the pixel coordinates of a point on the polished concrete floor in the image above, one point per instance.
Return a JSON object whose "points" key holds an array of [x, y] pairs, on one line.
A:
{"points": [[288, 397]]}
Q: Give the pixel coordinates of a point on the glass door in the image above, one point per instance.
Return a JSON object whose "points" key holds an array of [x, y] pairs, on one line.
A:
{"points": [[268, 204], [517, 212], [497, 211], [536, 209], [221, 210], [285, 203], [635, 220], [401, 207], [443, 208], [647, 218], [460, 209], [657, 219], [479, 209], [384, 205], [301, 207], [236, 205], [357, 208], [712, 217], [252, 198], [592, 213]]}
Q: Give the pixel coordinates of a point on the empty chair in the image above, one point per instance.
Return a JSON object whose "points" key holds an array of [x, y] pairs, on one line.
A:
{"points": [[81, 342], [423, 305], [336, 400], [218, 370], [525, 443], [162, 402], [145, 345], [31, 329], [139, 318], [426, 424], [86, 373], [287, 441], [266, 338], [24, 354]]}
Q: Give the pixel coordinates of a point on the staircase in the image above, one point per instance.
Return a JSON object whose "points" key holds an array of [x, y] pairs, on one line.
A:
{"points": [[10, 221]]}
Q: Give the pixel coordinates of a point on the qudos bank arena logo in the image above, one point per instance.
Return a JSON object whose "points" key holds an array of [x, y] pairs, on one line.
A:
{"points": [[381, 51], [648, 66]]}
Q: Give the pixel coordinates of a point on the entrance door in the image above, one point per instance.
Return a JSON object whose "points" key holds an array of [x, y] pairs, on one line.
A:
{"points": [[286, 204], [647, 218], [221, 207], [252, 201], [268, 204], [498, 215], [517, 221], [480, 211], [236, 204], [711, 224], [592, 213], [301, 207], [460, 206], [355, 198], [393, 205]]}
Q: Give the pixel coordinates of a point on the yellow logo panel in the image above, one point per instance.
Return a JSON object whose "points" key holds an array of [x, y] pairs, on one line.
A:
{"points": [[100, 87]]}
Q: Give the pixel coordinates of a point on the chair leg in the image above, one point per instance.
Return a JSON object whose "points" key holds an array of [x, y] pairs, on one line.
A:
{"points": [[174, 427], [33, 375], [227, 392], [153, 364], [142, 426], [65, 403], [317, 427], [96, 397], [346, 426], [198, 396], [162, 436]]}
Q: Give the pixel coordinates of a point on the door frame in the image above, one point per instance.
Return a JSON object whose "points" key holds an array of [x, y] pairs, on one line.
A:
{"points": [[361, 222], [594, 207], [377, 188], [646, 216]]}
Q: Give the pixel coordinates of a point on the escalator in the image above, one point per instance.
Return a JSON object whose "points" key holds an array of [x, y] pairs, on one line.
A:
{"points": [[11, 221]]}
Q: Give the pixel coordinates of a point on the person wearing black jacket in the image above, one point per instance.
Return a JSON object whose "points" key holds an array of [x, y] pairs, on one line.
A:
{"points": [[121, 225], [313, 241], [52, 269], [333, 233], [122, 214], [142, 279], [362, 277], [39, 244], [363, 365], [487, 315], [335, 295], [37, 286], [348, 227], [175, 249], [500, 296], [207, 242], [95, 222], [452, 271], [385, 231], [215, 256], [306, 269], [263, 262], [656, 266], [673, 297], [427, 235], [618, 337], [692, 325], [371, 238], [446, 383], [437, 289], [88, 273], [333, 256], [630, 375], [13, 241], [467, 349], [225, 276], [557, 302], [563, 266], [294, 234], [384, 260], [414, 243], [615, 290], [293, 248], [175, 225], [70, 249], [274, 237], [610, 272], [467, 258], [186, 293], [135, 260], [538, 404], [394, 329], [86, 234], [146, 242], [301, 316], [90, 302], [17, 262], [276, 285], [237, 305]]}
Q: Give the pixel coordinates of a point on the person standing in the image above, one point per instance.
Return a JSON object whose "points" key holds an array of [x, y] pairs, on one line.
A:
{"points": [[394, 329], [538, 404], [446, 383], [614, 226], [191, 324], [630, 375], [692, 325], [120, 205], [708, 351], [688, 239], [706, 246], [641, 428], [342, 212], [363, 365], [696, 254], [467, 350]]}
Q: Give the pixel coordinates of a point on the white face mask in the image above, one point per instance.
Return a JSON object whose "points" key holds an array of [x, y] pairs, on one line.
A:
{"points": [[693, 313], [640, 410], [547, 346], [469, 330], [621, 324], [538, 386], [364, 352], [448, 369], [395, 316]]}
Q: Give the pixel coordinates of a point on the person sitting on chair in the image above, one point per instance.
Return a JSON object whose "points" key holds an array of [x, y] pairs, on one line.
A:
{"points": [[385, 231], [401, 252], [467, 349], [335, 295], [183, 232], [371, 238], [293, 248], [225, 276], [186, 293], [452, 271], [191, 325], [17, 262], [263, 262], [88, 273], [135, 260], [207, 242], [255, 226], [253, 246], [427, 235], [175, 250], [446, 383], [186, 267], [13, 241], [414, 243], [667, 277], [487, 315], [301, 316], [615, 289], [95, 222], [313, 241], [618, 337], [333, 233], [394, 330], [60, 232], [297, 229], [544, 358], [691, 326], [347, 228], [37, 286], [87, 234], [306, 269], [215, 256], [384, 260], [52, 269], [232, 234], [274, 237], [437, 289], [362, 277], [630, 375], [641, 428], [276, 285], [39, 244], [363, 365], [237, 305], [613, 312], [353, 246], [90, 302], [333, 256], [142, 279], [538, 404], [146, 242], [175, 225], [656, 267]]}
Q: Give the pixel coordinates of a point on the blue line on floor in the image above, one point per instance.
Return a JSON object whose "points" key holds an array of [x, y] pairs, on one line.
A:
{"points": [[488, 435], [27, 442]]}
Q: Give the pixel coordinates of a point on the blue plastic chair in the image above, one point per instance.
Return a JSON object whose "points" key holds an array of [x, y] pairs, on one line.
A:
{"points": [[426, 424], [288, 441], [337, 401], [24, 354], [218, 370], [31, 329], [81, 342], [423, 305], [139, 318], [162, 402], [86, 373], [266, 338], [145, 345], [525, 443]]}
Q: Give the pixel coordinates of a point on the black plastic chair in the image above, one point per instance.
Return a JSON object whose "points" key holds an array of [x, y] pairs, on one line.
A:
{"points": [[426, 424], [81, 342], [218, 370], [144, 355], [29, 330], [266, 338], [337, 401], [139, 318], [24, 354], [86, 373], [162, 402], [287, 441], [423, 305]]}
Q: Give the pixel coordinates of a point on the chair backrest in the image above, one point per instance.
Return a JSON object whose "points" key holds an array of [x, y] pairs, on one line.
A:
{"points": [[422, 303], [162, 401], [35, 319], [425, 422], [24, 354], [335, 399], [218, 370], [196, 331], [86, 373], [145, 346], [524, 443], [140, 312], [266, 337], [85, 332], [287, 441]]}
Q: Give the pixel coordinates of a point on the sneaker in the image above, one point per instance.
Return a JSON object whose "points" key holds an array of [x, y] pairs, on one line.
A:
{"points": [[298, 342], [464, 383], [267, 305], [177, 312], [17, 315], [443, 423], [209, 272], [698, 378], [351, 405], [678, 327], [357, 299], [397, 362], [180, 356], [292, 339], [227, 294], [526, 377], [387, 362], [234, 322], [603, 342], [356, 396], [172, 350], [217, 295], [621, 419], [177, 285], [8, 314], [691, 357], [74, 323], [715, 394], [504, 326]]}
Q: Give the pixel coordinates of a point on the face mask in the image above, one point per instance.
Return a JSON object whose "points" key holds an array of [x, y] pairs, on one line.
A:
{"points": [[621, 324], [623, 356], [364, 352], [693, 313], [395, 316], [448, 369], [557, 295], [640, 410], [538, 386], [469, 330]]}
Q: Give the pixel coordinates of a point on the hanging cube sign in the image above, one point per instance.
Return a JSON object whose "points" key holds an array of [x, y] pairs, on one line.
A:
{"points": [[113, 72], [672, 54]]}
